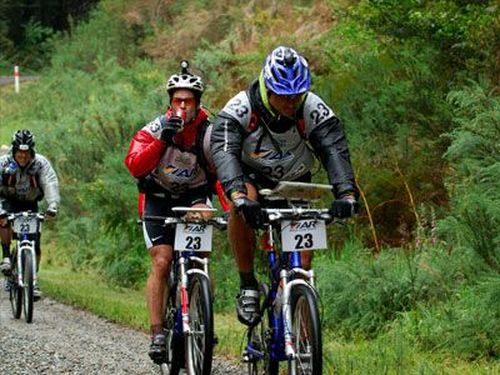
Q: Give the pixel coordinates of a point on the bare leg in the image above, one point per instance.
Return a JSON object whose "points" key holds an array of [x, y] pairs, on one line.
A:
{"points": [[306, 258], [6, 238], [156, 291], [242, 237]]}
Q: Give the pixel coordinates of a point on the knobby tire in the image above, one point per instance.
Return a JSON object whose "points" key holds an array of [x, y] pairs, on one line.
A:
{"points": [[15, 294], [28, 299], [306, 328], [201, 343]]}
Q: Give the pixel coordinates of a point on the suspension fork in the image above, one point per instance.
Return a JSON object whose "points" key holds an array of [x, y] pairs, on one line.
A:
{"points": [[296, 265], [29, 246], [186, 329]]}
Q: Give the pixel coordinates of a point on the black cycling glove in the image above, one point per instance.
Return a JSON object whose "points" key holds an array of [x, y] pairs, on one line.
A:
{"points": [[250, 210], [344, 207], [51, 211], [171, 127]]}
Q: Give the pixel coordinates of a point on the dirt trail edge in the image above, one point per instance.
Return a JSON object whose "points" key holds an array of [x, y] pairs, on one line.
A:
{"points": [[65, 340]]}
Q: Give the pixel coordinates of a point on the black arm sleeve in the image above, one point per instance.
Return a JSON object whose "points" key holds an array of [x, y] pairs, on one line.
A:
{"points": [[227, 137], [329, 142]]}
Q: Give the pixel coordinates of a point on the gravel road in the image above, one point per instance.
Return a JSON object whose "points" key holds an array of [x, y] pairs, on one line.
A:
{"points": [[9, 80], [64, 340]]}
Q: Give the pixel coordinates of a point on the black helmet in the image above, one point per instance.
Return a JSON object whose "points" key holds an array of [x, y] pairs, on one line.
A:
{"points": [[23, 140]]}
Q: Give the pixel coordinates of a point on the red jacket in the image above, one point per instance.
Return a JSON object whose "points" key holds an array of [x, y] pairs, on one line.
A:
{"points": [[146, 147], [146, 150]]}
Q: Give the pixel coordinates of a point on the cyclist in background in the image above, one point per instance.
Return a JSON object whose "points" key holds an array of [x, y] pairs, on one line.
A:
{"points": [[269, 133], [169, 156], [27, 177]]}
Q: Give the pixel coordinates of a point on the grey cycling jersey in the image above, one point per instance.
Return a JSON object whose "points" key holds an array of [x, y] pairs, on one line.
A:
{"points": [[278, 156], [177, 171], [38, 179]]}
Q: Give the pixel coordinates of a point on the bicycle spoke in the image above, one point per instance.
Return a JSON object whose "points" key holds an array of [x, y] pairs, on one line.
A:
{"points": [[201, 322], [306, 332]]}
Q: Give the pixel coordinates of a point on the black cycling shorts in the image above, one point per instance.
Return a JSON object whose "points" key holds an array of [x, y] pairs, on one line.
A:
{"points": [[159, 204]]}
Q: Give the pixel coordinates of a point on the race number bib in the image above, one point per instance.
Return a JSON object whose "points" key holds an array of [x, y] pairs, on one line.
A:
{"points": [[193, 237], [25, 225], [303, 235]]}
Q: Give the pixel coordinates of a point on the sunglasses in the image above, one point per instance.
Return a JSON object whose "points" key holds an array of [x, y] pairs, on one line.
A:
{"points": [[188, 102]]}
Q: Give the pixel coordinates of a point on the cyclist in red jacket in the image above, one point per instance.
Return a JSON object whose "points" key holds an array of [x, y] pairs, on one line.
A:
{"points": [[169, 157]]}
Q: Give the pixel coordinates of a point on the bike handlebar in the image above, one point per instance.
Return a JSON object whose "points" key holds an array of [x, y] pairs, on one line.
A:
{"points": [[218, 221], [27, 214], [274, 215]]}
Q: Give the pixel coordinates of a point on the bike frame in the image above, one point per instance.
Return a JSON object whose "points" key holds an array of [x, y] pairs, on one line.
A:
{"points": [[282, 266], [23, 243], [183, 268], [288, 264], [181, 259]]}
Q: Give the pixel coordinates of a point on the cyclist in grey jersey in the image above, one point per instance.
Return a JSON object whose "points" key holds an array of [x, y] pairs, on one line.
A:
{"points": [[26, 178], [271, 133]]}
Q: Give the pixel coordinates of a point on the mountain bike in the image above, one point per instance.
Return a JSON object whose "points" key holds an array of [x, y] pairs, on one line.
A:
{"points": [[26, 227], [290, 328], [189, 319]]}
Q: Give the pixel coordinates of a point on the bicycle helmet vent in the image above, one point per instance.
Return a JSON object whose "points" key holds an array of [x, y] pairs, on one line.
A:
{"points": [[286, 72]]}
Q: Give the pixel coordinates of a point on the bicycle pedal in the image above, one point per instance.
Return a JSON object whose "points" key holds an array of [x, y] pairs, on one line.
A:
{"points": [[216, 340]]}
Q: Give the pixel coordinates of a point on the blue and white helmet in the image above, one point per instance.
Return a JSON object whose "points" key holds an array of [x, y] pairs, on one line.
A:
{"points": [[286, 72]]}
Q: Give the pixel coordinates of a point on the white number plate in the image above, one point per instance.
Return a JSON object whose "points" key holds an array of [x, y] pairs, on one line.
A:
{"points": [[303, 235], [25, 225], [193, 237]]}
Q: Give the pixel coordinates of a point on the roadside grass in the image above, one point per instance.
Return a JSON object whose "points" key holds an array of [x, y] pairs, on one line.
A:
{"points": [[393, 353], [11, 104], [390, 353]]}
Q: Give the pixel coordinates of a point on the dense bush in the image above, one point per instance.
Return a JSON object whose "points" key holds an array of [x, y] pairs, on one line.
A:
{"points": [[468, 324], [473, 183], [384, 287]]}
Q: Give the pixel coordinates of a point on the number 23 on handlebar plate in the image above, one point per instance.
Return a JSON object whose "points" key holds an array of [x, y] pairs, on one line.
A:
{"points": [[193, 237], [300, 235]]}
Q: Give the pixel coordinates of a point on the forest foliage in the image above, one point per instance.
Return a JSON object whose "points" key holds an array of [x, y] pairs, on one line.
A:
{"points": [[416, 85]]}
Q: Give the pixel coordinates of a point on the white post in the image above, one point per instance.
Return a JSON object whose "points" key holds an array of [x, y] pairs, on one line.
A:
{"points": [[16, 78]]}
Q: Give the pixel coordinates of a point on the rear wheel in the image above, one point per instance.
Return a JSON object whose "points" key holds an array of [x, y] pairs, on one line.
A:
{"points": [[28, 276], [200, 343], [175, 339], [15, 292], [259, 356], [306, 331]]}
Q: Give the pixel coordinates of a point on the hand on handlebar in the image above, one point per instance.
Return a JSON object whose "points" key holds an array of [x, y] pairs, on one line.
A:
{"points": [[250, 210], [51, 210], [344, 207]]}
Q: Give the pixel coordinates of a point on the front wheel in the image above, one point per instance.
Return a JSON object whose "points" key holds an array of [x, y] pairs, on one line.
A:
{"points": [[306, 330], [15, 296], [200, 343], [175, 338], [28, 277]]}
